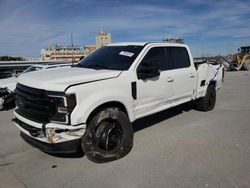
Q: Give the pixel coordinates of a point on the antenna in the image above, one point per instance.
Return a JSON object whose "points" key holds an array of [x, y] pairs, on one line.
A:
{"points": [[203, 49], [72, 45]]}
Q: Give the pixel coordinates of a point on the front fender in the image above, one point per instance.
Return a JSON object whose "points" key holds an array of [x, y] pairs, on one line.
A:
{"points": [[87, 105]]}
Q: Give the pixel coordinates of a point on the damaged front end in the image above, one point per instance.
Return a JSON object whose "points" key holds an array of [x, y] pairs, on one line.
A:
{"points": [[7, 99], [51, 137], [44, 119]]}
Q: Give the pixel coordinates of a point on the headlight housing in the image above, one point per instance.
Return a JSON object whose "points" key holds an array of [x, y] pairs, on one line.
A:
{"points": [[64, 105]]}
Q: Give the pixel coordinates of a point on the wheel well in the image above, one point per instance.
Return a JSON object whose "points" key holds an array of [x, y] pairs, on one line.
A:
{"points": [[107, 105]]}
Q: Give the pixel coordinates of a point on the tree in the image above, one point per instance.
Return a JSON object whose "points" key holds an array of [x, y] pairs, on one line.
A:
{"points": [[10, 58]]}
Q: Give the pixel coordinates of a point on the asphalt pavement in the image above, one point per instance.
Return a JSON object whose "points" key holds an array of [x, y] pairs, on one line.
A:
{"points": [[179, 147]]}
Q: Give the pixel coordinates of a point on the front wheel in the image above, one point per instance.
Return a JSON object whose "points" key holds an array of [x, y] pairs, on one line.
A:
{"points": [[109, 136], [207, 103]]}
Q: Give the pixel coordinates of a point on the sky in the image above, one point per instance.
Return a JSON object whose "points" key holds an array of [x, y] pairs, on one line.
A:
{"points": [[208, 27]]}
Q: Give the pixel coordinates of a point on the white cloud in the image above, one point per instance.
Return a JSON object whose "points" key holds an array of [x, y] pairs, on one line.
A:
{"points": [[30, 25]]}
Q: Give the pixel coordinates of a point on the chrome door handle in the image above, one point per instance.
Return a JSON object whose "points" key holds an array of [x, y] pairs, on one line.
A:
{"points": [[170, 79]]}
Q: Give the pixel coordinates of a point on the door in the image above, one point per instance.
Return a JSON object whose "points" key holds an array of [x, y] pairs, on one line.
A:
{"points": [[183, 75], [153, 94]]}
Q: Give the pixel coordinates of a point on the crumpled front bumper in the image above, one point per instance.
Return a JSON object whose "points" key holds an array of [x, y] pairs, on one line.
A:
{"points": [[68, 147], [51, 135]]}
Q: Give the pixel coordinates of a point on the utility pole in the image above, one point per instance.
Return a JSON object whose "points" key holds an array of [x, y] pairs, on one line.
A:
{"points": [[72, 46], [203, 50]]}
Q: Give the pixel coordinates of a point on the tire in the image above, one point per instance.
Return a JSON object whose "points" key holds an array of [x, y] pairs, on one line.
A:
{"points": [[207, 103], [108, 137], [1, 103], [246, 65]]}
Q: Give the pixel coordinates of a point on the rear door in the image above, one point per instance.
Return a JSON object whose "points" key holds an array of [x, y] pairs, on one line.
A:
{"points": [[183, 75]]}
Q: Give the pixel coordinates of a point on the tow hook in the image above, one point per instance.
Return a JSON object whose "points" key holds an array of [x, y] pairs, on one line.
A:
{"points": [[50, 134]]}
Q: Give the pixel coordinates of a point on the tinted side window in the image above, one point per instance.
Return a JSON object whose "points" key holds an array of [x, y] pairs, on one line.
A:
{"points": [[180, 57], [157, 55]]}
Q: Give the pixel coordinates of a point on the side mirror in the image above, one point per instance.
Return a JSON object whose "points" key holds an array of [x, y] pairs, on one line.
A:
{"points": [[148, 70]]}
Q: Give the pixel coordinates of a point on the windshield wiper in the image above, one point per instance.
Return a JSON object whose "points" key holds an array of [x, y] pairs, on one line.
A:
{"points": [[76, 65], [98, 66], [95, 66]]}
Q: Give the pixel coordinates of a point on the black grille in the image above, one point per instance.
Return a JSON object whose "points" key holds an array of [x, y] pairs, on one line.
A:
{"points": [[34, 104]]}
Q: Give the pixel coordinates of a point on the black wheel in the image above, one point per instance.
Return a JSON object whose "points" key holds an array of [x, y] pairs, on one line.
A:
{"points": [[207, 103], [109, 136]]}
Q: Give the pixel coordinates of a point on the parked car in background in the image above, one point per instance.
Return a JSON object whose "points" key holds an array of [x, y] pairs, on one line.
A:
{"points": [[5, 75], [8, 85]]}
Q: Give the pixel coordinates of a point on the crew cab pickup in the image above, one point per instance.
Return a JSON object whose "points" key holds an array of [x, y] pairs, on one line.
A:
{"points": [[91, 105]]}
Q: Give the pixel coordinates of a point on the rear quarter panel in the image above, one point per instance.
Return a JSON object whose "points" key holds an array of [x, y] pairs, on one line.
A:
{"points": [[207, 73]]}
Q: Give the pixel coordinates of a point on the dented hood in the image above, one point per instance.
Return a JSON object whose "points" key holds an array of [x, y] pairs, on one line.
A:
{"points": [[60, 78]]}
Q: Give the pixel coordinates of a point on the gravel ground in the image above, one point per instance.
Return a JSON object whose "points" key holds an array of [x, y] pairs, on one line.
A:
{"points": [[179, 147]]}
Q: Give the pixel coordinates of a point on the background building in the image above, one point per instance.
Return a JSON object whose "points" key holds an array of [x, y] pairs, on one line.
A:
{"points": [[102, 39], [88, 49], [61, 53], [74, 53]]}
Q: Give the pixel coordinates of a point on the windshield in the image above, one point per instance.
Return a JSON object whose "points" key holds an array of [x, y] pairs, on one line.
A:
{"points": [[31, 69], [111, 57]]}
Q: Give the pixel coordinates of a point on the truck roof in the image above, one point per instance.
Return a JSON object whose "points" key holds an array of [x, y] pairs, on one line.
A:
{"points": [[144, 43], [128, 43]]}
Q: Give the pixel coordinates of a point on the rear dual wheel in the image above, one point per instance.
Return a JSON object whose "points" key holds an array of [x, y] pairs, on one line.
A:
{"points": [[109, 136]]}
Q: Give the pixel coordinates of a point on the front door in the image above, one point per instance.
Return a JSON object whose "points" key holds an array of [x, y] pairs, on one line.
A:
{"points": [[154, 94]]}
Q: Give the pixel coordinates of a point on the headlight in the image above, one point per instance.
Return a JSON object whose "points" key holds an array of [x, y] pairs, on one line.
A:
{"points": [[65, 104], [70, 104]]}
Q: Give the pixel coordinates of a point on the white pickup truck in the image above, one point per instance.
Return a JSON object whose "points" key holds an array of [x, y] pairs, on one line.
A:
{"points": [[92, 105]]}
